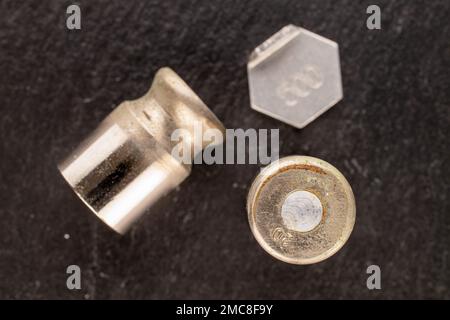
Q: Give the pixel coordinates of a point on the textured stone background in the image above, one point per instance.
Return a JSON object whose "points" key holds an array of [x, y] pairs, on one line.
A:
{"points": [[389, 136]]}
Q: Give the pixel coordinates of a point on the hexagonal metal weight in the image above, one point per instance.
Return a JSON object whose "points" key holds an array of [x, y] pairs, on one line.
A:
{"points": [[295, 76]]}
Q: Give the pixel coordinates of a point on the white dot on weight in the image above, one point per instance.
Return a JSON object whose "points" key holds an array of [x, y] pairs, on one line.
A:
{"points": [[66, 236], [301, 211]]}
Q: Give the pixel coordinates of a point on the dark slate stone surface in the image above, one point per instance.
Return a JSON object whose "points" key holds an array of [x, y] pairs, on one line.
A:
{"points": [[389, 136]]}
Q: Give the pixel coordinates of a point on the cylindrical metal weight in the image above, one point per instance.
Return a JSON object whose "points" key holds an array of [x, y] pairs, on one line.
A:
{"points": [[301, 209], [126, 164]]}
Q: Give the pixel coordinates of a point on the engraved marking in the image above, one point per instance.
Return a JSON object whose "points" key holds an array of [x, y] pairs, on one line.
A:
{"points": [[283, 239], [300, 85]]}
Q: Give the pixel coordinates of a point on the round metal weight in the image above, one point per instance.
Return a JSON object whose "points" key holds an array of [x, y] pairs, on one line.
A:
{"points": [[301, 209]]}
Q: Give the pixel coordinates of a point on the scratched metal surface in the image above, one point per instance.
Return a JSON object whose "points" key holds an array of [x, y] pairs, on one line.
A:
{"points": [[389, 136]]}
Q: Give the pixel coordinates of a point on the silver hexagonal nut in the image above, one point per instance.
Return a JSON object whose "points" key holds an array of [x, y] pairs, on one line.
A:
{"points": [[295, 76]]}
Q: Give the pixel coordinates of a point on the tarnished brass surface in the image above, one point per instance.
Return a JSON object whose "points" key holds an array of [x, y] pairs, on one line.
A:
{"points": [[126, 164], [329, 223]]}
